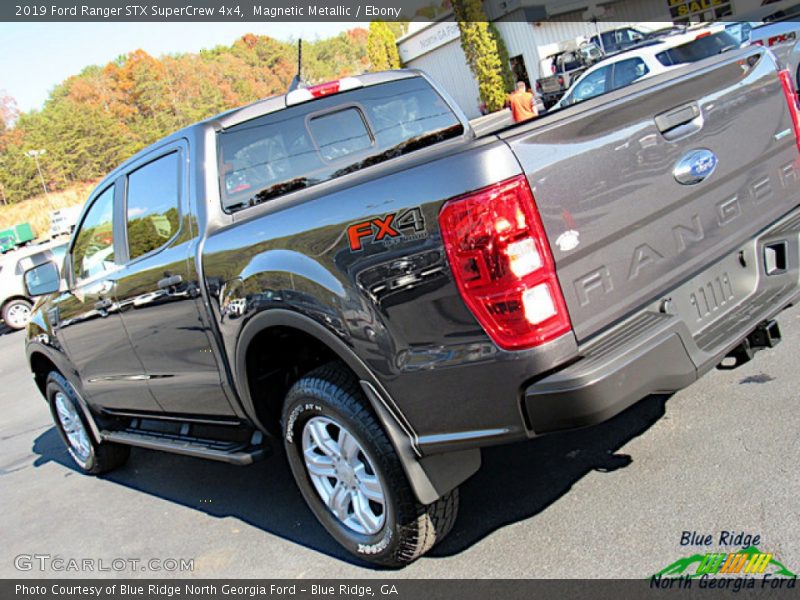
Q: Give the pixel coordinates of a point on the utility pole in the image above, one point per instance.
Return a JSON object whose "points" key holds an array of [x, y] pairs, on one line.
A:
{"points": [[35, 154]]}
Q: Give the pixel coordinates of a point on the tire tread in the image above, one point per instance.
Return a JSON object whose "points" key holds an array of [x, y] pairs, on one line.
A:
{"points": [[420, 526]]}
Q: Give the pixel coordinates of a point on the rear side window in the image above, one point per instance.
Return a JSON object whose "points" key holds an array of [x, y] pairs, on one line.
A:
{"points": [[628, 71], [698, 49], [152, 208], [326, 138]]}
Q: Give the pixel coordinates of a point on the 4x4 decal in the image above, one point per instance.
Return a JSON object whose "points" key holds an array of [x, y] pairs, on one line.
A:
{"points": [[404, 225]]}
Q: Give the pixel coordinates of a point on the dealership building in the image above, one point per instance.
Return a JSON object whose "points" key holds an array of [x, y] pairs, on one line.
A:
{"points": [[533, 30]]}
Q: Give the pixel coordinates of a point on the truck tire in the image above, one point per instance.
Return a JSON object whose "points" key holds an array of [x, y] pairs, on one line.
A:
{"points": [[91, 457], [16, 313], [351, 476]]}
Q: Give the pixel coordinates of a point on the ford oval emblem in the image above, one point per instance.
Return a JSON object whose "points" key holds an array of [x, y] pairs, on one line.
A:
{"points": [[695, 167]]}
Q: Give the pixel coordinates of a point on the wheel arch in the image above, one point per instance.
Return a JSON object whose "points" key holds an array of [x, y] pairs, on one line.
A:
{"points": [[430, 477], [41, 366]]}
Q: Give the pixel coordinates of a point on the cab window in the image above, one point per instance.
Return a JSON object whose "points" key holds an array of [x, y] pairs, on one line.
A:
{"points": [[152, 205], [93, 252], [594, 84], [628, 71]]}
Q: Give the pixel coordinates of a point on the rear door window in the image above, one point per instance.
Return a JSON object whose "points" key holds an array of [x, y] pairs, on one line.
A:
{"points": [[628, 71], [316, 141], [152, 205]]}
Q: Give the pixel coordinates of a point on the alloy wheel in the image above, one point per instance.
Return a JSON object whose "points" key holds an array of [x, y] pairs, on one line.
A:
{"points": [[344, 475], [71, 423]]}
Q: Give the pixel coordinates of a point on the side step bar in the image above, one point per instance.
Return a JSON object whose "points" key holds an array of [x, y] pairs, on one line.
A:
{"points": [[232, 452]]}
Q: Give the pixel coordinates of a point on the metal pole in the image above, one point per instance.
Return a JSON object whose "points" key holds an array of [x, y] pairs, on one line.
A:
{"points": [[35, 154]]}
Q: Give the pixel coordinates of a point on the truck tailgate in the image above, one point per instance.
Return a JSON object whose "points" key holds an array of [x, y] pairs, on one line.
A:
{"points": [[622, 228]]}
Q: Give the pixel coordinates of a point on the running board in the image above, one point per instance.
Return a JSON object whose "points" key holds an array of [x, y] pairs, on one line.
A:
{"points": [[232, 452]]}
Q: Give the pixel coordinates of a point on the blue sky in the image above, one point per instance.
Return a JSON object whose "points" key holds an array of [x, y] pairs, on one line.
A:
{"points": [[35, 57]]}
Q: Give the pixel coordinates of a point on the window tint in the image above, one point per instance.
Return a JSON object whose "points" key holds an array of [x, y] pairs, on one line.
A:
{"points": [[593, 85], [28, 262], [285, 151], [698, 49], [152, 207], [628, 71], [93, 252], [340, 133]]}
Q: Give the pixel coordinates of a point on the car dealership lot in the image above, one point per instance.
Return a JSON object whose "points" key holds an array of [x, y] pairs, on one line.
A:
{"points": [[611, 501]]}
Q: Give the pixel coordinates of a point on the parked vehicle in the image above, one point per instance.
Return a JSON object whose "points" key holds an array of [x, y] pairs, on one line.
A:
{"points": [[350, 272], [63, 220], [647, 60], [16, 236], [565, 68], [776, 26], [620, 39], [15, 303]]}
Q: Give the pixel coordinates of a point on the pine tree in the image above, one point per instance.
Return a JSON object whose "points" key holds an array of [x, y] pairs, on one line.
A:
{"points": [[382, 47], [480, 49]]}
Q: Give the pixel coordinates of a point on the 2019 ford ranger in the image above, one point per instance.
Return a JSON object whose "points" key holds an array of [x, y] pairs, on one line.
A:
{"points": [[350, 271]]}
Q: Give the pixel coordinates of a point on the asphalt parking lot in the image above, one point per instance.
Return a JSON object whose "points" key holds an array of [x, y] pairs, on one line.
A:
{"points": [[611, 501]]}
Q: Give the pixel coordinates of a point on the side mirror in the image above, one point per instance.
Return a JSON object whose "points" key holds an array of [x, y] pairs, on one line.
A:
{"points": [[42, 279]]}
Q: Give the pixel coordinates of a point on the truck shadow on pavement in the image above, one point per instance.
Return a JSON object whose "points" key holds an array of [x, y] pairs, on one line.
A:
{"points": [[515, 482]]}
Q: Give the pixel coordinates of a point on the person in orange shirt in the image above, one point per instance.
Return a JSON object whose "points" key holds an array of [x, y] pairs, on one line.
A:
{"points": [[522, 104]]}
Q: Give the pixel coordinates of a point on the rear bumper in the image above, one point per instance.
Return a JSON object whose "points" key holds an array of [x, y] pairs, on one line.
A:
{"points": [[672, 342]]}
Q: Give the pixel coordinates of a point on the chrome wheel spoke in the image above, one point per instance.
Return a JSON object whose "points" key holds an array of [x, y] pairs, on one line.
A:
{"points": [[362, 511], [348, 445], [340, 501], [323, 440], [369, 485], [320, 465]]}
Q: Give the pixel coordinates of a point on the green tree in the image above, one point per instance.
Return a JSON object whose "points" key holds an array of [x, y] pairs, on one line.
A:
{"points": [[505, 61], [97, 118], [480, 49], [382, 48]]}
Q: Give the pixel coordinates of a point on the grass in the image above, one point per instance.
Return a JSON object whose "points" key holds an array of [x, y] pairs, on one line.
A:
{"points": [[36, 210]]}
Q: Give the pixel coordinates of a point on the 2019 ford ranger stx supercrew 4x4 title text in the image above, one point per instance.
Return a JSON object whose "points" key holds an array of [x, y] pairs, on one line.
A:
{"points": [[349, 270]]}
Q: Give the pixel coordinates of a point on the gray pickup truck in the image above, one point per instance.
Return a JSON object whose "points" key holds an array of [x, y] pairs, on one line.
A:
{"points": [[349, 274]]}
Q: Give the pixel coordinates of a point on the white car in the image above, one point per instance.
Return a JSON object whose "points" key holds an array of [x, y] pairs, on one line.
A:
{"points": [[648, 60], [776, 26], [15, 304]]}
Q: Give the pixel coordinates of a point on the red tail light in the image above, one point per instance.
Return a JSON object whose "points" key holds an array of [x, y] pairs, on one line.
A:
{"points": [[560, 80], [324, 89], [502, 264], [791, 98], [321, 90], [758, 42], [538, 86]]}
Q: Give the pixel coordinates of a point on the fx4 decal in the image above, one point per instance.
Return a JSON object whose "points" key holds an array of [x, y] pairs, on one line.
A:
{"points": [[393, 228]]}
